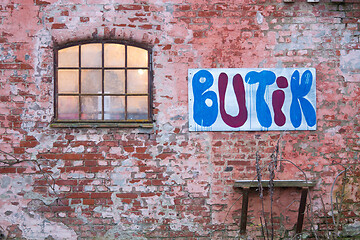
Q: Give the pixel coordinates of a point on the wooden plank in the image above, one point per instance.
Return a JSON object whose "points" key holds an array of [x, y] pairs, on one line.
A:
{"points": [[277, 183]]}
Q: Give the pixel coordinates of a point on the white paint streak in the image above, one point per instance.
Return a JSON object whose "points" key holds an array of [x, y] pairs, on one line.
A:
{"points": [[259, 18]]}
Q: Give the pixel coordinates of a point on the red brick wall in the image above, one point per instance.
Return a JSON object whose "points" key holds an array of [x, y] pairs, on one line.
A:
{"points": [[167, 181]]}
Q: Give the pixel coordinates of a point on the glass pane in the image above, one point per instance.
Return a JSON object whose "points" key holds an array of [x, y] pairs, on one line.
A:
{"points": [[91, 55], [137, 81], [114, 81], [137, 107], [91, 81], [114, 108], [137, 57], [68, 107], [91, 108], [68, 81], [68, 57], [114, 55]]}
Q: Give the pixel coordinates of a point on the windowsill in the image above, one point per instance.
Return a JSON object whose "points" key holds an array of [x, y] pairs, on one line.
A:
{"points": [[101, 125]]}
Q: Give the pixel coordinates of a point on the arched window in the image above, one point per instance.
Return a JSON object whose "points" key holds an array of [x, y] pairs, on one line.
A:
{"points": [[102, 82]]}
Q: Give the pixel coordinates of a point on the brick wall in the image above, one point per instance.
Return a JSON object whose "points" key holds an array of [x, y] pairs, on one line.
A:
{"points": [[167, 182]]}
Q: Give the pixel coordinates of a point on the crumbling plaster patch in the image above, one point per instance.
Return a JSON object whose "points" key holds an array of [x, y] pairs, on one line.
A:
{"points": [[350, 65], [15, 195]]}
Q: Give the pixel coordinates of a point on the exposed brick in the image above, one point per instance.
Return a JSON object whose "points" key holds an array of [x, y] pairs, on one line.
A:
{"points": [[89, 163], [88, 201], [66, 182], [146, 26], [142, 156], [128, 7], [78, 195], [165, 155], [126, 195], [208, 13], [238, 163], [148, 194], [93, 156], [101, 169], [7, 170], [29, 144], [64, 13], [58, 26], [40, 2], [129, 149], [19, 150], [101, 195], [126, 200]]}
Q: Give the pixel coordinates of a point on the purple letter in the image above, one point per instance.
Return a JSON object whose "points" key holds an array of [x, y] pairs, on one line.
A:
{"points": [[239, 90], [278, 98]]}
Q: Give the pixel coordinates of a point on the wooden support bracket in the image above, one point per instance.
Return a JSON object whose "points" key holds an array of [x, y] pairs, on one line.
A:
{"points": [[244, 210], [302, 208]]}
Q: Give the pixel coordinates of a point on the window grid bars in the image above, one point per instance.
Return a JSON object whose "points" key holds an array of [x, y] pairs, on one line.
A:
{"points": [[103, 68], [103, 82], [126, 77], [80, 81]]}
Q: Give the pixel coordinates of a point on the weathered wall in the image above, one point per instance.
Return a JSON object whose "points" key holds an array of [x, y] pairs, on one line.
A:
{"points": [[167, 181]]}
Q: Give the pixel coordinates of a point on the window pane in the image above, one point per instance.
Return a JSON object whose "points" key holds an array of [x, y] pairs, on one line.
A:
{"points": [[137, 81], [91, 108], [91, 81], [68, 81], [91, 55], [114, 81], [68, 107], [137, 107], [114, 55], [137, 57], [68, 57], [114, 108]]}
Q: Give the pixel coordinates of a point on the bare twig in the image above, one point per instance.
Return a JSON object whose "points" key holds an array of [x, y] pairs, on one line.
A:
{"points": [[327, 225], [272, 166], [339, 205], [50, 180], [331, 193], [306, 180], [231, 208], [8, 162], [261, 192], [271, 190], [262, 228]]}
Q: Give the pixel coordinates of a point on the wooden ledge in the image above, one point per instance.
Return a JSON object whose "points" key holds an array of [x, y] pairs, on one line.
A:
{"points": [[277, 183]]}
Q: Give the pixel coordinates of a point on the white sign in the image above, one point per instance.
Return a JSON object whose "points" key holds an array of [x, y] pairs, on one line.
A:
{"points": [[252, 99]]}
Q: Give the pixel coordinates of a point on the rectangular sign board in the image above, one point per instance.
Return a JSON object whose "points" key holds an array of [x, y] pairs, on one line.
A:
{"points": [[252, 99]]}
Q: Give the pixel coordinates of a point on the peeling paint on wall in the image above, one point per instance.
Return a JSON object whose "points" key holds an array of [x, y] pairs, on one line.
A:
{"points": [[167, 182]]}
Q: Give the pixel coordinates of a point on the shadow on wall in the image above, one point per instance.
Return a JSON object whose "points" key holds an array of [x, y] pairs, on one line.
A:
{"points": [[2, 235]]}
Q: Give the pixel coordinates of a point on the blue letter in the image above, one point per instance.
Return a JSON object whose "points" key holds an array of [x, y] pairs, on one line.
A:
{"points": [[264, 78], [205, 113], [299, 91]]}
